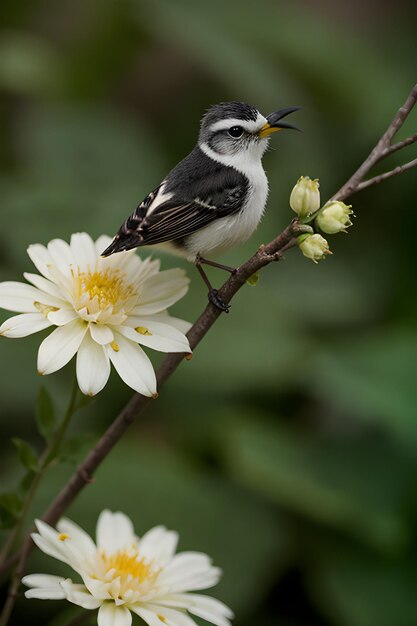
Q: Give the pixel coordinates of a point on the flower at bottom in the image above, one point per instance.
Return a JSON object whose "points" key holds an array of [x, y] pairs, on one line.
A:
{"points": [[125, 574], [103, 310], [314, 247]]}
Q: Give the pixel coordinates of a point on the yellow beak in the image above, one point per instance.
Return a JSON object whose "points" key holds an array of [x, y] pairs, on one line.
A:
{"points": [[267, 130]]}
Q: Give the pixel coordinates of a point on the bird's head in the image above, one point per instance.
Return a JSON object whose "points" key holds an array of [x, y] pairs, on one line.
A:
{"points": [[237, 129]]}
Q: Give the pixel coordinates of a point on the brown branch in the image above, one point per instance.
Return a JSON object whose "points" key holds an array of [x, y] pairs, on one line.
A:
{"points": [[382, 149], [273, 251], [399, 145], [378, 179]]}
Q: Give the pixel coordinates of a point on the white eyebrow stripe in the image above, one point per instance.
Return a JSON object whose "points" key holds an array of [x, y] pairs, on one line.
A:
{"points": [[249, 125]]}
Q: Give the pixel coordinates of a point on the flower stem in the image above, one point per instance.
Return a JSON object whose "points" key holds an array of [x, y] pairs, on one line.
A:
{"points": [[46, 459]]}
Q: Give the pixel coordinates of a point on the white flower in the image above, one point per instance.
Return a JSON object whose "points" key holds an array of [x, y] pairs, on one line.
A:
{"points": [[103, 309], [305, 196], [335, 217], [125, 574], [314, 247]]}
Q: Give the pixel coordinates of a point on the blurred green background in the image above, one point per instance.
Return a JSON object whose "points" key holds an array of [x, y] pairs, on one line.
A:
{"points": [[287, 448]]}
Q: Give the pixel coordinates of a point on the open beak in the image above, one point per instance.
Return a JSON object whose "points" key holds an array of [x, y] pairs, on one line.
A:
{"points": [[274, 123]]}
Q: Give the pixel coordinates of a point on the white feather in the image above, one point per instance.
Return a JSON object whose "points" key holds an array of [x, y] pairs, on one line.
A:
{"points": [[159, 199]]}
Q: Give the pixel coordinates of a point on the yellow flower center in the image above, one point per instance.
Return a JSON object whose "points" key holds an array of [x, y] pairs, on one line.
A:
{"points": [[128, 563], [108, 287]]}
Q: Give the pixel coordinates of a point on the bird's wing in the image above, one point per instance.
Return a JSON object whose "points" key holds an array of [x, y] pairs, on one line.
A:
{"points": [[176, 220], [195, 193], [155, 221]]}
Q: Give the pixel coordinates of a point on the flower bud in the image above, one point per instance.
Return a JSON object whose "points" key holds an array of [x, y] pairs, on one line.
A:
{"points": [[314, 247], [305, 196], [335, 217]]}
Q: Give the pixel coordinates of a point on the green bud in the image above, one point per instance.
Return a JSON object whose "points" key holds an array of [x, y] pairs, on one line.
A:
{"points": [[305, 196], [335, 217], [314, 247]]}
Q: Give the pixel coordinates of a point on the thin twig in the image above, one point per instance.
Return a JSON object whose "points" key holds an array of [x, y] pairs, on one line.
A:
{"points": [[399, 145], [382, 149], [265, 255], [378, 179]]}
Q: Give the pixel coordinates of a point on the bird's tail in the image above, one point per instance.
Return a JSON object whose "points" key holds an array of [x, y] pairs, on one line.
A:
{"points": [[122, 242], [128, 236]]}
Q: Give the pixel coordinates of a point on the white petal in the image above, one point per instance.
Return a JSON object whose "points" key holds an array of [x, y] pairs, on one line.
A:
{"points": [[197, 582], [133, 366], [114, 531], [44, 285], [112, 615], [47, 541], [206, 607], [60, 346], [152, 615], [176, 322], [101, 334], [62, 316], [139, 270], [159, 545], [78, 594], [78, 535], [24, 324], [98, 588], [20, 297], [189, 571], [162, 337], [161, 291], [173, 617], [83, 250], [44, 587], [52, 593], [42, 580], [101, 244], [93, 366], [47, 547], [61, 255], [40, 257]]}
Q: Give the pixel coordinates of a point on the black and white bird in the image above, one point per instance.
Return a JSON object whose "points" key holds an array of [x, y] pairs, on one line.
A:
{"points": [[213, 199]]}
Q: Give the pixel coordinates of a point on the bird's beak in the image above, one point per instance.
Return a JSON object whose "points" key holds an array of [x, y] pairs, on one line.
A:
{"points": [[274, 124]]}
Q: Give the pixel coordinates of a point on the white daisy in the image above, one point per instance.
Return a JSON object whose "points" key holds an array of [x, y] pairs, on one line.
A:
{"points": [[103, 309], [124, 574]]}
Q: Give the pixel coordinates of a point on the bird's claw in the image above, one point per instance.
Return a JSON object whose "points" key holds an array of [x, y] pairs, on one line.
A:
{"points": [[217, 301]]}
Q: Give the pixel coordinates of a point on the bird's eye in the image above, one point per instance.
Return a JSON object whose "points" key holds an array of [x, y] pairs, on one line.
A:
{"points": [[236, 131]]}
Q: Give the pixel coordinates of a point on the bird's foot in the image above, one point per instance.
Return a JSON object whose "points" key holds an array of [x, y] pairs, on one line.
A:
{"points": [[217, 301], [199, 260]]}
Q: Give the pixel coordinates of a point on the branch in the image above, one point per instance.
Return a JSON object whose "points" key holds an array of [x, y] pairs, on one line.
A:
{"points": [[382, 149], [378, 179], [273, 251]]}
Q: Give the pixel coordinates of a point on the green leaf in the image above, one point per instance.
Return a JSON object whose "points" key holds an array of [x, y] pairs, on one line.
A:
{"points": [[45, 414], [26, 455], [10, 507], [26, 482], [324, 479]]}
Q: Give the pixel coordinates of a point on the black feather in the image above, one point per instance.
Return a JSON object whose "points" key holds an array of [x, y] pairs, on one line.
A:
{"points": [[202, 190]]}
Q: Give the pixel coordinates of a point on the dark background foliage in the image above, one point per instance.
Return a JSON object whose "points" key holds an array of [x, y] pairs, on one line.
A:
{"points": [[287, 447]]}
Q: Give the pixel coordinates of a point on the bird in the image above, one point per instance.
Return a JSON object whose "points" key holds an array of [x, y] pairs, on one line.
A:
{"points": [[214, 198]]}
